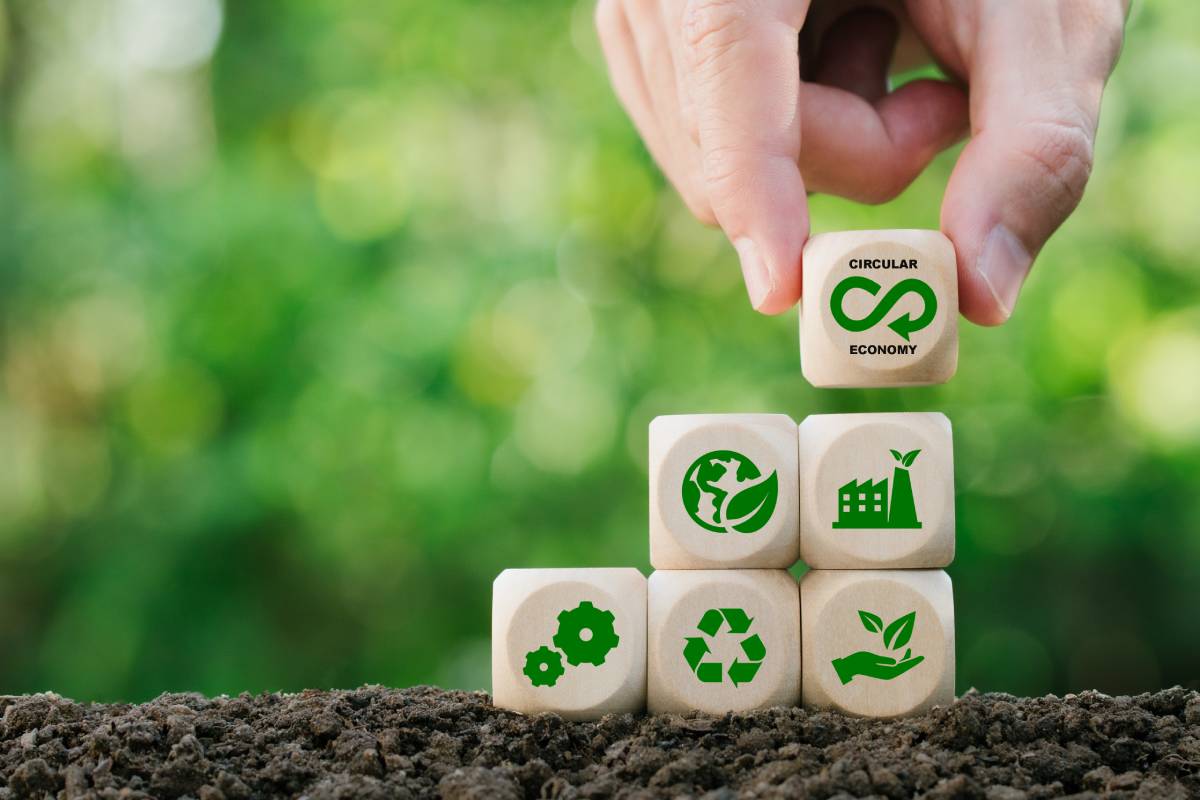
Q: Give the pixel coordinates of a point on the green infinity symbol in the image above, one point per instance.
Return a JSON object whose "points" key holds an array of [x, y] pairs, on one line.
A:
{"points": [[902, 325]]}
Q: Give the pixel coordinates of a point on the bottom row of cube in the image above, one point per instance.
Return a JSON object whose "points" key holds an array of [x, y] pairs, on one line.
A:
{"points": [[588, 642]]}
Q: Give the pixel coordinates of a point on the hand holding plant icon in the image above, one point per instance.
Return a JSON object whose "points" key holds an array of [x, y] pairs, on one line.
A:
{"points": [[882, 667]]}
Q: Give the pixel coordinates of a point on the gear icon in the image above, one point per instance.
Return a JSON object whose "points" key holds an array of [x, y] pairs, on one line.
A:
{"points": [[543, 666], [585, 634]]}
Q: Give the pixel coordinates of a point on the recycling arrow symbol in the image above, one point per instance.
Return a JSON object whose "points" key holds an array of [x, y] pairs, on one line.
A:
{"points": [[902, 325], [696, 647]]}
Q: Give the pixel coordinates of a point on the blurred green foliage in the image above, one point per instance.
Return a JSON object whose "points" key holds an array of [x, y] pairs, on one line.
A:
{"points": [[315, 316]]}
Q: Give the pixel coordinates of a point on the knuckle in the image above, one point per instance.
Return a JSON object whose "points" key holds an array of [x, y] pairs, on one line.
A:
{"points": [[872, 178], [1061, 153], [722, 170], [883, 186], [712, 26], [878, 194]]}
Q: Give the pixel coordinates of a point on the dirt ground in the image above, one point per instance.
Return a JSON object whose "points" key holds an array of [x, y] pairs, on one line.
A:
{"points": [[376, 742]]}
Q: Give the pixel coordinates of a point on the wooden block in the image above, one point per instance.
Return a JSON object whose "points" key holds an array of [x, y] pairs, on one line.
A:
{"points": [[876, 491], [723, 491], [722, 640], [571, 641], [877, 643], [880, 308]]}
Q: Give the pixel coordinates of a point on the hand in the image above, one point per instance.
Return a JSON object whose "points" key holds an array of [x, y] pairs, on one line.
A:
{"points": [[744, 123], [872, 665]]}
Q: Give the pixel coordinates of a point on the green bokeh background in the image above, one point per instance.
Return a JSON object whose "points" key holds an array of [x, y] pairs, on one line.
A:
{"points": [[315, 316]]}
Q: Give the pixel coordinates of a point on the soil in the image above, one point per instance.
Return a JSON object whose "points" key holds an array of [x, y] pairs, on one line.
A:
{"points": [[377, 742]]}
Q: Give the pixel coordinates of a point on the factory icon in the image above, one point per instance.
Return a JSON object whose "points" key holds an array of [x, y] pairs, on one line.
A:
{"points": [[867, 504]]}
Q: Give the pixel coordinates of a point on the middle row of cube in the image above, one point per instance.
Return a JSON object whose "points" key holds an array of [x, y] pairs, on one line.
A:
{"points": [[840, 491]]}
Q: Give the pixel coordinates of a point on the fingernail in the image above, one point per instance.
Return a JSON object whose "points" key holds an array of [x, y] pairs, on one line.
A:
{"points": [[755, 272], [1003, 265]]}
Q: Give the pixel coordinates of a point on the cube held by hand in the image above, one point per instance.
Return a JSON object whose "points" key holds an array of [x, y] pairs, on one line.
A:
{"points": [[880, 308]]}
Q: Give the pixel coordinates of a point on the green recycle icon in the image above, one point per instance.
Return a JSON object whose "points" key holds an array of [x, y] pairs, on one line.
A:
{"points": [[585, 635], [696, 647]]}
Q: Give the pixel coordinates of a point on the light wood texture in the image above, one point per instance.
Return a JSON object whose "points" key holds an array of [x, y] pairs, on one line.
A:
{"points": [[861, 507], [909, 342], [683, 645], [864, 663], [526, 609], [677, 539]]}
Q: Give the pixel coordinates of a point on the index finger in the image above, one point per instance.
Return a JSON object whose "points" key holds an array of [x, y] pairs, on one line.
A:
{"points": [[744, 82]]}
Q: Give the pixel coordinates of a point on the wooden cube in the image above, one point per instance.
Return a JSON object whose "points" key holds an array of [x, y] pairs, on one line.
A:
{"points": [[876, 491], [722, 640], [723, 491], [877, 643], [571, 641], [880, 308]]}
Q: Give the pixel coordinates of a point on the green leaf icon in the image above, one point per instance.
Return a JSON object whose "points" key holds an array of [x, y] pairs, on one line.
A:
{"points": [[870, 621], [899, 632], [909, 457], [896, 455], [752, 508]]}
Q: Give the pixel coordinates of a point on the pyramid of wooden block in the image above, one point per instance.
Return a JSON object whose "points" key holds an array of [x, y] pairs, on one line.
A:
{"points": [[866, 500]]}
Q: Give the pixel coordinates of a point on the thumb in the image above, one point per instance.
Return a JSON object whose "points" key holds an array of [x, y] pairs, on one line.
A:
{"points": [[1024, 171], [744, 83]]}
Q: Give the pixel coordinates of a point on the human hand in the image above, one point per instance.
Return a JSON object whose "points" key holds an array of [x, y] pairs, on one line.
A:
{"points": [[744, 123], [873, 665]]}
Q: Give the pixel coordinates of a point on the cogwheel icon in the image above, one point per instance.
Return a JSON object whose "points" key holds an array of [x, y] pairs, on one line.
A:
{"points": [[543, 667], [585, 634]]}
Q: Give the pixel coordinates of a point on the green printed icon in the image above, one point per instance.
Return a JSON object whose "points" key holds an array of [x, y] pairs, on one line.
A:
{"points": [[585, 635], [903, 325], [697, 647], [725, 492], [873, 665], [543, 666], [867, 504]]}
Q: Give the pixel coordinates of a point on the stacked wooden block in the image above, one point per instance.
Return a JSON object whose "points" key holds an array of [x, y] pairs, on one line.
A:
{"points": [[866, 500]]}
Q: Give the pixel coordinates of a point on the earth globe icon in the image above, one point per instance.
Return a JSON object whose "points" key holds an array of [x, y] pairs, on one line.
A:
{"points": [[725, 492]]}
